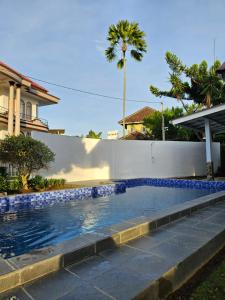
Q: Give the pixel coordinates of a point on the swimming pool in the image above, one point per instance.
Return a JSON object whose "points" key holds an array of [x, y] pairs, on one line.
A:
{"points": [[37, 227]]}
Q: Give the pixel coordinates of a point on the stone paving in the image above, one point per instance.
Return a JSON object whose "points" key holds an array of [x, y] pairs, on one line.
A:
{"points": [[129, 270]]}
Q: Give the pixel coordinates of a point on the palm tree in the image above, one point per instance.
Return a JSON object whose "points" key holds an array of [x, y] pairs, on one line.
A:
{"points": [[122, 37], [94, 135]]}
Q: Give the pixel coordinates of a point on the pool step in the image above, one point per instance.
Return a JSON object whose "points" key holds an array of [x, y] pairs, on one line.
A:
{"points": [[22, 269]]}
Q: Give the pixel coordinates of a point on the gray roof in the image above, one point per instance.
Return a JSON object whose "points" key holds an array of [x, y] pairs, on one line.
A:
{"points": [[196, 121]]}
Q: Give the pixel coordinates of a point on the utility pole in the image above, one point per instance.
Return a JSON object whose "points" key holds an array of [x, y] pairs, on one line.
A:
{"points": [[124, 93], [163, 124]]}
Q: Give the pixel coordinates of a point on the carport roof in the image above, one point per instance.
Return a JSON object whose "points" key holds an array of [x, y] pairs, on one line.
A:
{"points": [[196, 121]]}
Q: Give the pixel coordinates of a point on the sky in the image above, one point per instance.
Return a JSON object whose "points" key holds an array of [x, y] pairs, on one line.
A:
{"points": [[63, 41]]}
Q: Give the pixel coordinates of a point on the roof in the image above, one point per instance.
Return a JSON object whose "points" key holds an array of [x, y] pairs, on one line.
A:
{"points": [[138, 116], [134, 136], [196, 121], [56, 131], [221, 68], [33, 84]]}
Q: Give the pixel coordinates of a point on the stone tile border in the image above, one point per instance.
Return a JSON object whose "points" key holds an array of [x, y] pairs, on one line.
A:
{"points": [[21, 269]]}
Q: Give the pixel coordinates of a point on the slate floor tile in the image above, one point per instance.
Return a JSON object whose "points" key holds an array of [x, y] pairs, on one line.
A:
{"points": [[85, 292], [17, 293], [121, 283], [120, 255], [53, 286], [145, 243], [4, 267], [151, 265], [171, 251], [89, 269], [217, 219]]}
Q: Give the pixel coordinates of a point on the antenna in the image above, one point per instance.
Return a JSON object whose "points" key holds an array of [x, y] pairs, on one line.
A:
{"points": [[214, 50]]}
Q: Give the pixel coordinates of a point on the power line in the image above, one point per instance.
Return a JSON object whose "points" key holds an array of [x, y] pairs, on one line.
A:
{"points": [[90, 93]]}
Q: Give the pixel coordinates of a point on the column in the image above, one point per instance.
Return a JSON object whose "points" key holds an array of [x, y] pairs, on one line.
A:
{"points": [[208, 145], [17, 110], [11, 107]]}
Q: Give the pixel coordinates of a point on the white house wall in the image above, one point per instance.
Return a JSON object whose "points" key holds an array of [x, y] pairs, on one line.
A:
{"points": [[87, 159]]}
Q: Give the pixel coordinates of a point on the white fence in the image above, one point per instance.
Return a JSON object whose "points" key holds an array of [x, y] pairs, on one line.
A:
{"points": [[87, 159]]}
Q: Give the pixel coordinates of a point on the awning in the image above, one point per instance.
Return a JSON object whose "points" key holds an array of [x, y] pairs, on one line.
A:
{"points": [[196, 121]]}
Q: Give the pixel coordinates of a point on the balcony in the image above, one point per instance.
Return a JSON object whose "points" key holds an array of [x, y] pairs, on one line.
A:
{"points": [[26, 121]]}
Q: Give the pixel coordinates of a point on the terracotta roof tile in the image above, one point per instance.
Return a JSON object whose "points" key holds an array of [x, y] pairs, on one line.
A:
{"points": [[135, 136], [138, 116], [33, 84]]}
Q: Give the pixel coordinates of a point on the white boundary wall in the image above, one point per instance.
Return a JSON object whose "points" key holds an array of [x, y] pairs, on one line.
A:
{"points": [[89, 159]]}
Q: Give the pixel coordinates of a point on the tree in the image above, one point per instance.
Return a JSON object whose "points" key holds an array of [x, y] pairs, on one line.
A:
{"points": [[153, 124], [26, 155], [121, 37], [94, 135], [197, 82]]}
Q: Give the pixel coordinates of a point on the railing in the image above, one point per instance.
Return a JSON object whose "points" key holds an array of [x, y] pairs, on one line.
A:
{"points": [[30, 118], [3, 110], [24, 117]]}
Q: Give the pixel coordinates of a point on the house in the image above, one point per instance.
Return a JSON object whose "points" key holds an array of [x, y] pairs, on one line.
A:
{"points": [[20, 99], [134, 123]]}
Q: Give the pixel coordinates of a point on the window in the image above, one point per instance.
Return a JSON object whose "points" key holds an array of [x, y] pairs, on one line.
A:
{"points": [[22, 110], [29, 111]]}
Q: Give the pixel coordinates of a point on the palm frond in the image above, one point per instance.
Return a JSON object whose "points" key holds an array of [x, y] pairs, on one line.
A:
{"points": [[136, 55], [110, 54], [120, 64]]}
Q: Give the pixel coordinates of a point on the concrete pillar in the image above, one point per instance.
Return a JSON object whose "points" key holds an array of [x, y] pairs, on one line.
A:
{"points": [[208, 145], [17, 110], [11, 107]]}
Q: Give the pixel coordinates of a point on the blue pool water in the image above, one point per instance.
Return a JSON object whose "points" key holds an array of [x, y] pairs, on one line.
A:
{"points": [[35, 228]]}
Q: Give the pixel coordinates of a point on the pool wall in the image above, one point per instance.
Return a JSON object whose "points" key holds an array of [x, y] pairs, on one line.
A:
{"points": [[11, 203], [47, 198], [178, 183]]}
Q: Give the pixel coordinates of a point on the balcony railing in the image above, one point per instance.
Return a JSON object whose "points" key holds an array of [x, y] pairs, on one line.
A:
{"points": [[24, 117], [3, 110], [29, 118]]}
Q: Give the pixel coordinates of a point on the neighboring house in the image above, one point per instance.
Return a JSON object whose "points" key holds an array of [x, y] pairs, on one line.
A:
{"points": [[134, 123], [20, 99], [57, 131]]}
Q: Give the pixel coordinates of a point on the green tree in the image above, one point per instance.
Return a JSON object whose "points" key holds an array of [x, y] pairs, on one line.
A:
{"points": [[94, 135], [122, 37], [26, 155], [153, 124], [199, 83]]}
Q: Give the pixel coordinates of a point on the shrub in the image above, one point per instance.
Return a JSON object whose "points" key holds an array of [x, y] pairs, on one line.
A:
{"points": [[3, 184], [38, 183]]}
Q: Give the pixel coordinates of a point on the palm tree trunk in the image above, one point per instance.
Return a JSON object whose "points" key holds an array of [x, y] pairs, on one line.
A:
{"points": [[182, 102], [124, 91], [208, 100]]}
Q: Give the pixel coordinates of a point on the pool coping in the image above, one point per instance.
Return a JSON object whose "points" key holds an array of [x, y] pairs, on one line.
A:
{"points": [[27, 267]]}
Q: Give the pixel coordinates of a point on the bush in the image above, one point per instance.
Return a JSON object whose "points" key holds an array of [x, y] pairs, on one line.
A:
{"points": [[3, 184], [39, 183], [14, 185]]}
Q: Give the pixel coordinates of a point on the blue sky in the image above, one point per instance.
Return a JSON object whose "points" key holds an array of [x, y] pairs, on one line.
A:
{"points": [[63, 41]]}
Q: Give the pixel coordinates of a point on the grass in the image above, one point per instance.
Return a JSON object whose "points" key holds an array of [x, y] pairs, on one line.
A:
{"points": [[213, 287], [207, 284]]}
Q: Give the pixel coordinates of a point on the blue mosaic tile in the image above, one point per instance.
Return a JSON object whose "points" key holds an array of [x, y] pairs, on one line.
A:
{"points": [[36, 200]]}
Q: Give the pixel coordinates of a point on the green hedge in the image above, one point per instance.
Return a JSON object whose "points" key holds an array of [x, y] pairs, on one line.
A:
{"points": [[37, 183]]}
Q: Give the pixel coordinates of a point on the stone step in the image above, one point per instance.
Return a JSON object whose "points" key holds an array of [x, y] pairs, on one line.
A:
{"points": [[148, 267]]}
